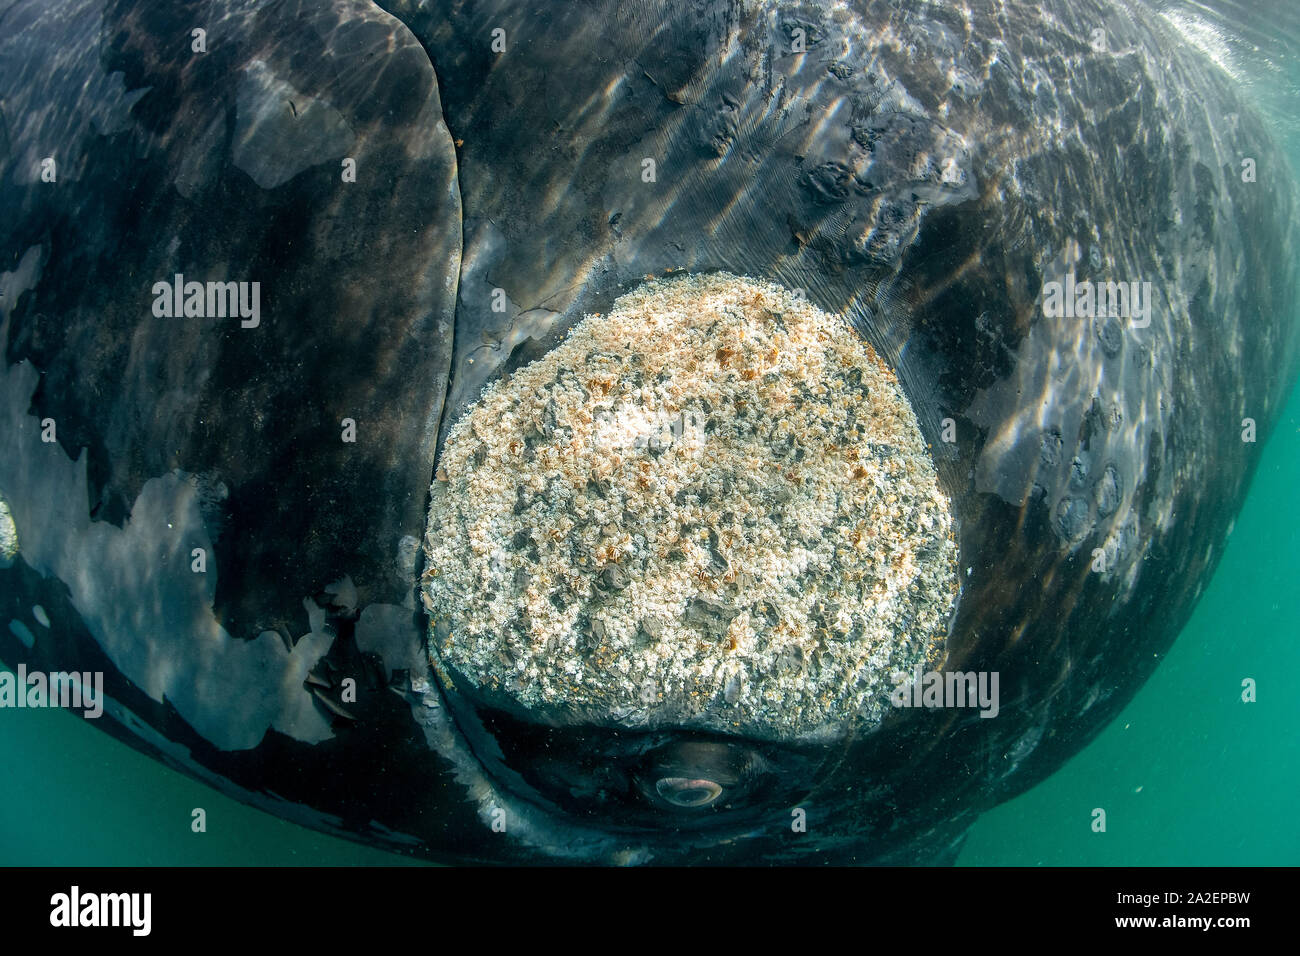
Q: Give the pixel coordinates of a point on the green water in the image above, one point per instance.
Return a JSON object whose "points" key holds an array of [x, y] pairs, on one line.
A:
{"points": [[1188, 774]]}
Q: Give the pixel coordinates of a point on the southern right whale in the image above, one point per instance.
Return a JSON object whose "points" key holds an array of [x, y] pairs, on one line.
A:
{"points": [[923, 170]]}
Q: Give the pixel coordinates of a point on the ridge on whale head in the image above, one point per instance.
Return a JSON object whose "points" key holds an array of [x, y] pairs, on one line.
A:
{"points": [[894, 233]]}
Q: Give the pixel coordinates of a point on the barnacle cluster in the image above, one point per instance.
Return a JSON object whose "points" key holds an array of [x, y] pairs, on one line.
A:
{"points": [[711, 508]]}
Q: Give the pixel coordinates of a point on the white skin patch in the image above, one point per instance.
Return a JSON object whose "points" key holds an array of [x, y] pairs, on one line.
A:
{"points": [[712, 508]]}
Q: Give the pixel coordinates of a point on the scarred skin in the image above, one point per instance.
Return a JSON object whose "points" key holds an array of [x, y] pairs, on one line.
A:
{"points": [[924, 175]]}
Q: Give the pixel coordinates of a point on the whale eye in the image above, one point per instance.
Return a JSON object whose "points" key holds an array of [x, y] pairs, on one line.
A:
{"points": [[687, 792], [701, 775], [658, 782]]}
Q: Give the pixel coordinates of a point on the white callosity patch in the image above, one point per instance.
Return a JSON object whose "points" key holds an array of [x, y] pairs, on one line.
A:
{"points": [[712, 508]]}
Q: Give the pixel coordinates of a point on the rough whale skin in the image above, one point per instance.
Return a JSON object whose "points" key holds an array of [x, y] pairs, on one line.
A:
{"points": [[925, 169]]}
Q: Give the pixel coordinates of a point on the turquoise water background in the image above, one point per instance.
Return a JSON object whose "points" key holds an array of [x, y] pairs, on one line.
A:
{"points": [[1188, 774]]}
